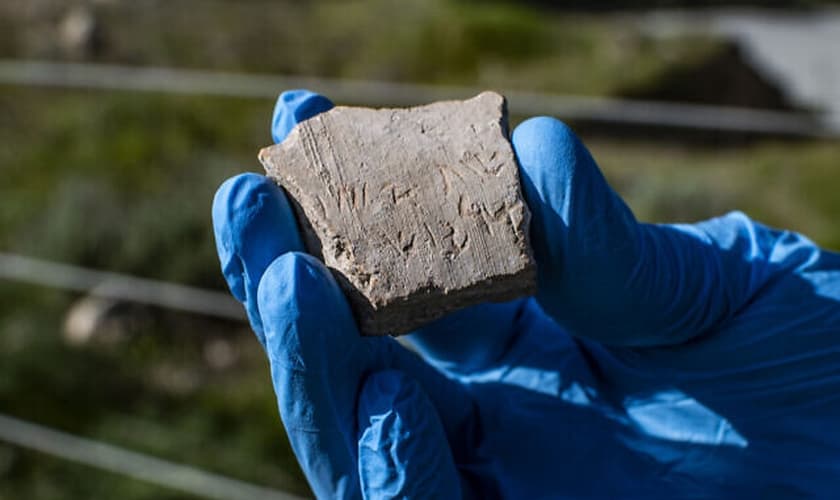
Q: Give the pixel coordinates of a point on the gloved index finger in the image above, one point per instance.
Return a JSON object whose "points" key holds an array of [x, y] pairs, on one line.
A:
{"points": [[252, 219], [603, 275], [253, 225]]}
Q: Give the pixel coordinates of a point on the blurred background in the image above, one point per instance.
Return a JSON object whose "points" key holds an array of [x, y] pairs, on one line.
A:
{"points": [[118, 119]]}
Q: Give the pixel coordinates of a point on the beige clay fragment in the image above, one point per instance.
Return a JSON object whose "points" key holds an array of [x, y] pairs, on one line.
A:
{"points": [[418, 212]]}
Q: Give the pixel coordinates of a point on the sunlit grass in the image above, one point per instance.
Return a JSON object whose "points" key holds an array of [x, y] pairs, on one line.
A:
{"points": [[788, 184]]}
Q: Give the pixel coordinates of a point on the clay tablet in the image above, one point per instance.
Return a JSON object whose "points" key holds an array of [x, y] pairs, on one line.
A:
{"points": [[417, 212]]}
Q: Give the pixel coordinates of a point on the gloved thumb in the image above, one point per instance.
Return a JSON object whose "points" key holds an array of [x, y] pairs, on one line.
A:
{"points": [[403, 452], [604, 276]]}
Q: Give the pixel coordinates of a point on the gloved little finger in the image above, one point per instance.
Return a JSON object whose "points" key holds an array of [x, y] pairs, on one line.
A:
{"points": [[403, 452]]}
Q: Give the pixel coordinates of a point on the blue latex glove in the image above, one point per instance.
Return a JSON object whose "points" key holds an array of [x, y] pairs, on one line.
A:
{"points": [[655, 360]]}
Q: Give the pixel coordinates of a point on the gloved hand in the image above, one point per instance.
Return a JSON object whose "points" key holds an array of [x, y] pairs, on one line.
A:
{"points": [[655, 360]]}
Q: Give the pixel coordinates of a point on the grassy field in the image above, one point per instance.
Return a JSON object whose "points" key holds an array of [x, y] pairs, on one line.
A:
{"points": [[497, 44], [124, 181]]}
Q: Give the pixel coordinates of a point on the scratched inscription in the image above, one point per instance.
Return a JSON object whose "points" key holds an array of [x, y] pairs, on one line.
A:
{"points": [[417, 211]]}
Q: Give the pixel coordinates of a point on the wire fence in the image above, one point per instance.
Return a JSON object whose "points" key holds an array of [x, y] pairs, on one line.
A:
{"points": [[377, 93], [131, 463], [105, 456], [120, 286]]}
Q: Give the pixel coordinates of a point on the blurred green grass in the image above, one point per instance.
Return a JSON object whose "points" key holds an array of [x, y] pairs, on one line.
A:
{"points": [[124, 181], [500, 44], [133, 395], [787, 184]]}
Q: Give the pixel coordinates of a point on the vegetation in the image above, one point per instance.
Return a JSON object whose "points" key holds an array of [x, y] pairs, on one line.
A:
{"points": [[124, 181]]}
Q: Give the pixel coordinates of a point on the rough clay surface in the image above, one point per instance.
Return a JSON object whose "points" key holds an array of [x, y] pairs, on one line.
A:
{"points": [[418, 212]]}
